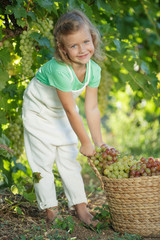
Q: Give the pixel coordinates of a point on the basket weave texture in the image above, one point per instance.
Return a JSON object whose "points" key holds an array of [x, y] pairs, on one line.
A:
{"points": [[134, 203]]}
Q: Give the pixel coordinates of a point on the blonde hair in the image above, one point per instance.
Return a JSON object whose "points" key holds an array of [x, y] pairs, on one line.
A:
{"points": [[71, 22]]}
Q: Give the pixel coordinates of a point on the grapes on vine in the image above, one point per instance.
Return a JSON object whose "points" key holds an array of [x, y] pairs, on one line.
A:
{"points": [[27, 48], [104, 89], [15, 133], [45, 26], [27, 44]]}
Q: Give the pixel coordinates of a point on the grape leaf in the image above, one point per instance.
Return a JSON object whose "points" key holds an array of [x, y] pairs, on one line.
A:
{"points": [[32, 15], [2, 117], [21, 23], [21, 167], [4, 78], [4, 56], [86, 9], [47, 4], [107, 7], [145, 67], [0, 33], [19, 12], [118, 45], [29, 196], [43, 41]]}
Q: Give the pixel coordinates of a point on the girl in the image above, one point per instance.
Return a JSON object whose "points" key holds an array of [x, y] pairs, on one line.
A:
{"points": [[51, 119]]}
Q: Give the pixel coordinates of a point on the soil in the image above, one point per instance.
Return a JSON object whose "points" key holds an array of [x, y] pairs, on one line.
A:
{"points": [[30, 223]]}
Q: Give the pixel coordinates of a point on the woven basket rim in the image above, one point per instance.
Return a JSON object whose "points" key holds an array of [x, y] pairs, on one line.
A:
{"points": [[130, 179]]}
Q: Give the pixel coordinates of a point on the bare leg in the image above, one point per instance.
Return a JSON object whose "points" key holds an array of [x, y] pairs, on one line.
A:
{"points": [[84, 215]]}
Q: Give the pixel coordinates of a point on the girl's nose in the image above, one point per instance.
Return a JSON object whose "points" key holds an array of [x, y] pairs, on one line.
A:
{"points": [[81, 48]]}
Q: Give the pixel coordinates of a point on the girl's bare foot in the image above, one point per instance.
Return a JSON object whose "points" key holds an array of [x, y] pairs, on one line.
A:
{"points": [[84, 215], [52, 213]]}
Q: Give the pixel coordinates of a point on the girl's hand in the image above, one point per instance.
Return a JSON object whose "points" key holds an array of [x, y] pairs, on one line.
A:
{"points": [[87, 150]]}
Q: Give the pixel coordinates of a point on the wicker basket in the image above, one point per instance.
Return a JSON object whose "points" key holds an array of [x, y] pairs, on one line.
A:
{"points": [[134, 203]]}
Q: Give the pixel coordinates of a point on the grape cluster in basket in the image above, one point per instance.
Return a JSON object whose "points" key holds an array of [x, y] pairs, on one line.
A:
{"points": [[104, 157], [145, 167], [110, 163]]}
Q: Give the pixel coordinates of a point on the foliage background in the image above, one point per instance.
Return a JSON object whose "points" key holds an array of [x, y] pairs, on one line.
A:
{"points": [[129, 91]]}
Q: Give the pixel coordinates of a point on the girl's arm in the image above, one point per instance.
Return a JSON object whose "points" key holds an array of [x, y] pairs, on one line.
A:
{"points": [[76, 122], [93, 115]]}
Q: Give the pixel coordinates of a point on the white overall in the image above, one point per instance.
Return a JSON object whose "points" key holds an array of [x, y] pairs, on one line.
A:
{"points": [[49, 137]]}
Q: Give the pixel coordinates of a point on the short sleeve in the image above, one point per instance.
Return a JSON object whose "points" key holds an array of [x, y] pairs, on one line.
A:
{"points": [[60, 80], [55, 74], [95, 75]]}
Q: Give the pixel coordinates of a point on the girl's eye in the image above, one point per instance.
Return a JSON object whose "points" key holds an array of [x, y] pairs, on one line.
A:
{"points": [[87, 41], [73, 46]]}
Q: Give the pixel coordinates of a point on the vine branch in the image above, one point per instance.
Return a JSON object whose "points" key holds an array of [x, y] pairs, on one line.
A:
{"points": [[150, 19], [129, 74]]}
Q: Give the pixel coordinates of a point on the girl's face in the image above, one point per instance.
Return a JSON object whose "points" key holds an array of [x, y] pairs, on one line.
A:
{"points": [[78, 46]]}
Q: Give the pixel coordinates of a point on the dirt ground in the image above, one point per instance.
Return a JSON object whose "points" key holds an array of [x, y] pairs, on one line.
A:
{"points": [[31, 224]]}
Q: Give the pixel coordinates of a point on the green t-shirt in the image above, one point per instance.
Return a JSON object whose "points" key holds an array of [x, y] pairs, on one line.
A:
{"points": [[62, 76]]}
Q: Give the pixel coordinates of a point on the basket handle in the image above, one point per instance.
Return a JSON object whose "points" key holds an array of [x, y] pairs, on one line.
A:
{"points": [[96, 172]]}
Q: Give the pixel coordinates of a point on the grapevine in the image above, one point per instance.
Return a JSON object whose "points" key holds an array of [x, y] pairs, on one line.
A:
{"points": [[15, 133], [104, 89], [45, 26], [27, 45], [27, 48]]}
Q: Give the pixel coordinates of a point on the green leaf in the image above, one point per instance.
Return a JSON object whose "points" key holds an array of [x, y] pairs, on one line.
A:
{"points": [[29, 196], [145, 67], [9, 10], [118, 45], [86, 9], [4, 78], [4, 140], [47, 4], [21, 23], [4, 56], [73, 4], [18, 210], [19, 12], [43, 41], [3, 119], [4, 176], [14, 189], [32, 15], [21, 167], [106, 6], [0, 33]]}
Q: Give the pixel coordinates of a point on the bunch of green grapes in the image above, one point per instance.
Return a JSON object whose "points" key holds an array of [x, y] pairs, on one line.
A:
{"points": [[104, 89], [15, 133], [27, 45], [27, 48], [121, 168], [45, 26], [104, 157]]}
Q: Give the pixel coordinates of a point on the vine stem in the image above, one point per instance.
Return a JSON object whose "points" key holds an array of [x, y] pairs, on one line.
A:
{"points": [[29, 2], [150, 19], [108, 55]]}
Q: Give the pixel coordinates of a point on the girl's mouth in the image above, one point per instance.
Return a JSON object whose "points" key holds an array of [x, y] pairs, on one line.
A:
{"points": [[83, 56]]}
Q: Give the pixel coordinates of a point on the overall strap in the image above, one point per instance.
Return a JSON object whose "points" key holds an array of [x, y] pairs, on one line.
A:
{"points": [[89, 71], [70, 72]]}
